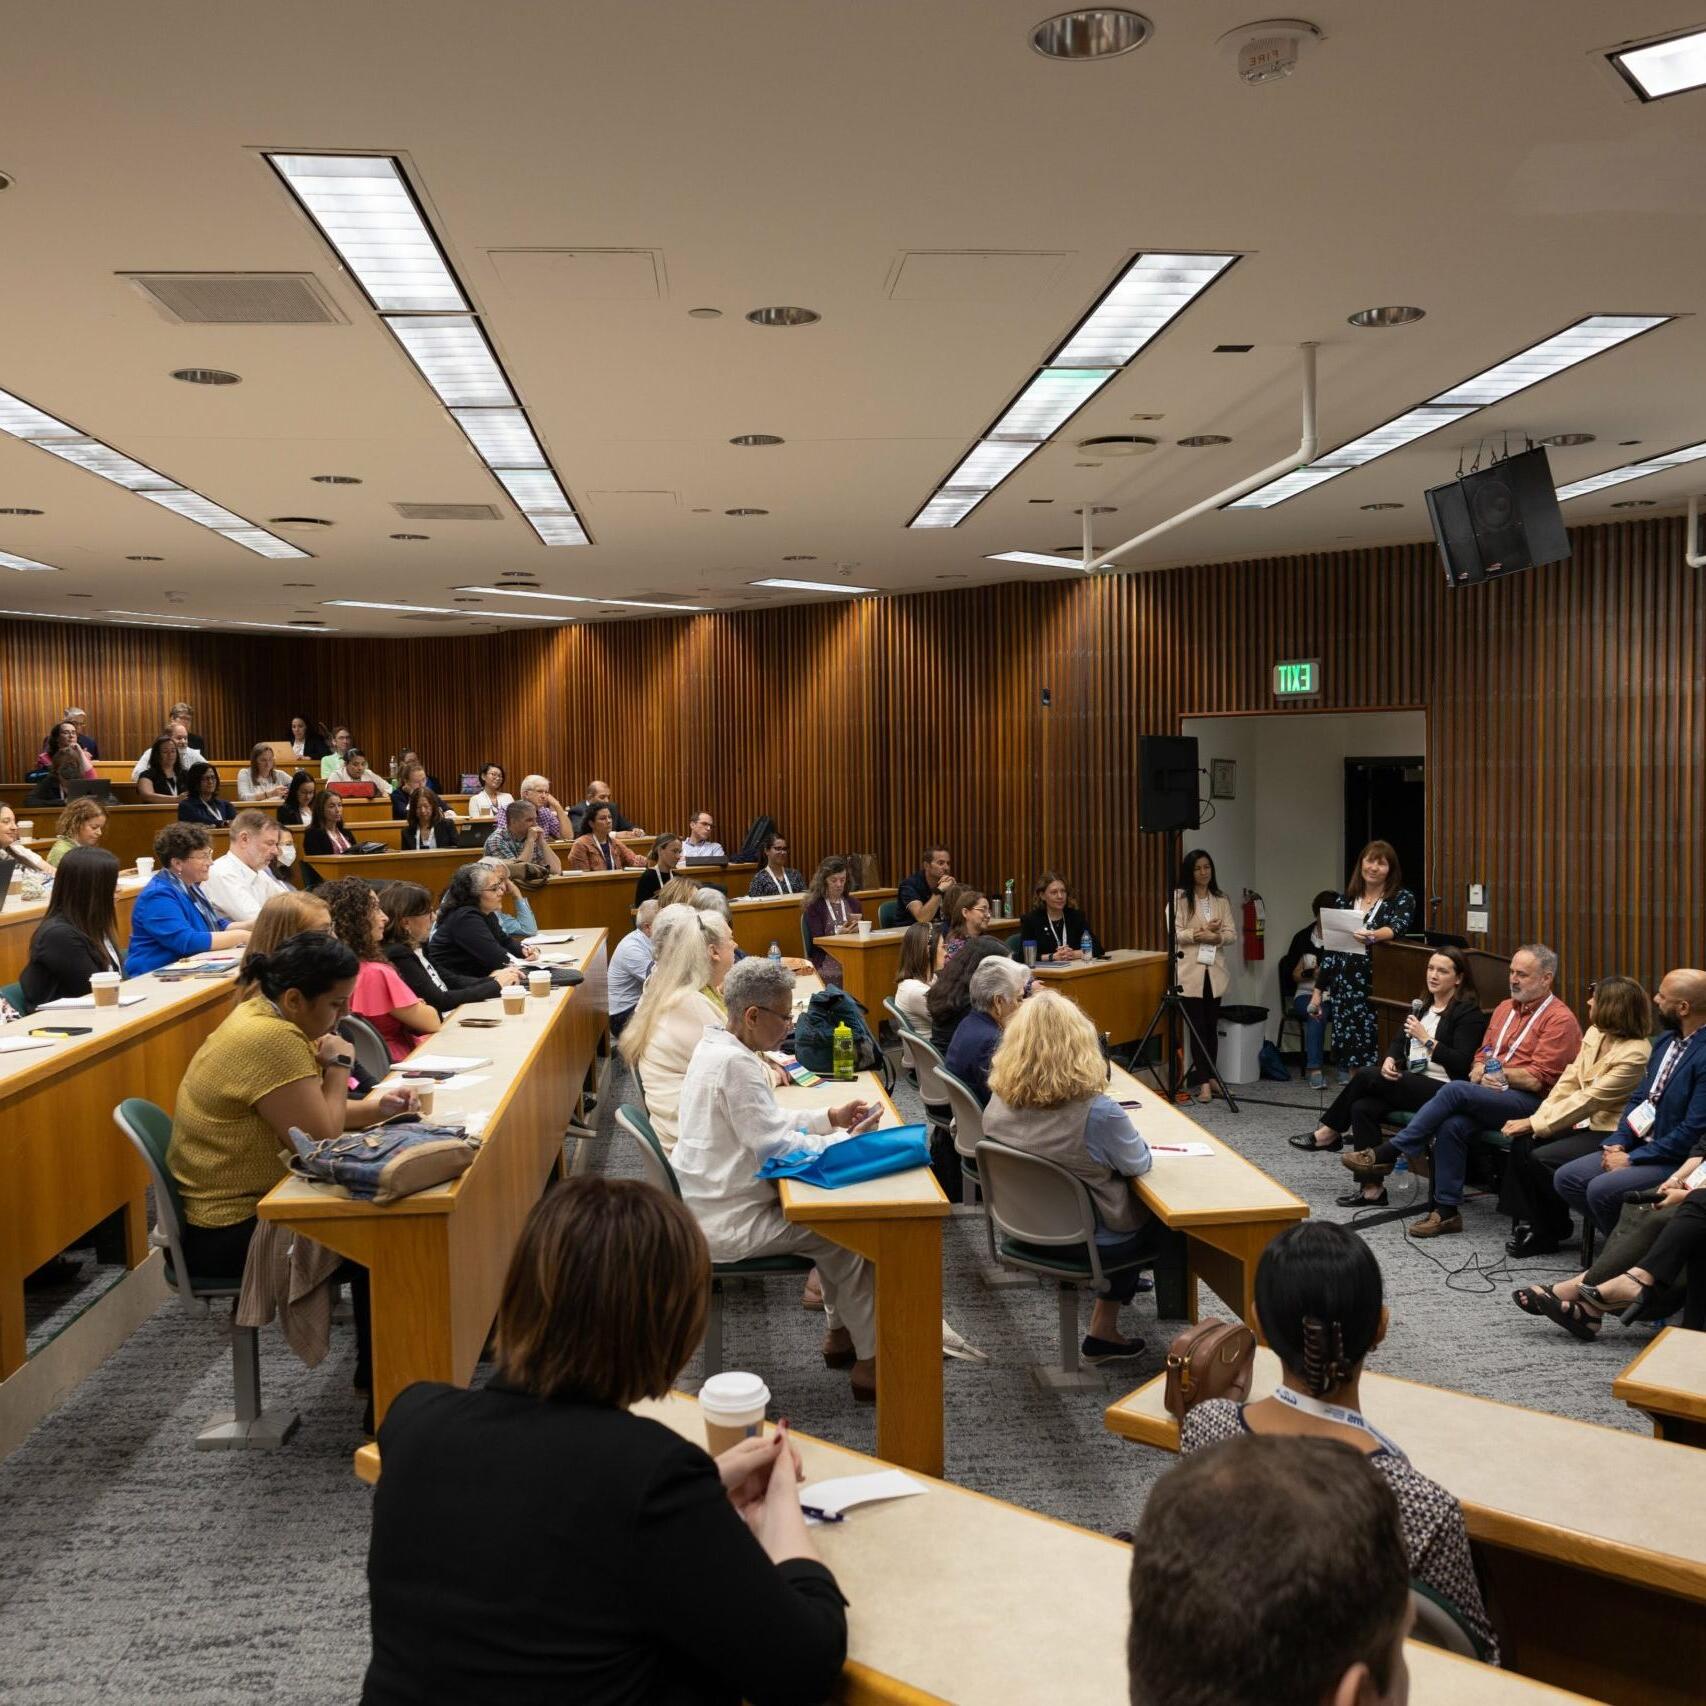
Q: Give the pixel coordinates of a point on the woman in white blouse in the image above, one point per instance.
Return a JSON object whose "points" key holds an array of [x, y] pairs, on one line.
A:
{"points": [[692, 952], [259, 779], [491, 800]]}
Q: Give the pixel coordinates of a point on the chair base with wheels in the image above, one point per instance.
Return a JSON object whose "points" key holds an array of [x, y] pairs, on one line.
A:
{"points": [[249, 1426]]}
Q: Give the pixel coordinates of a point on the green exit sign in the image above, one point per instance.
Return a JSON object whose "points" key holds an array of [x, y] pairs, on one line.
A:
{"points": [[1297, 678]]}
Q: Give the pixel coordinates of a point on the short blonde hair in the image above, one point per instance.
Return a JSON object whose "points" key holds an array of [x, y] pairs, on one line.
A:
{"points": [[534, 782], [1049, 1054]]}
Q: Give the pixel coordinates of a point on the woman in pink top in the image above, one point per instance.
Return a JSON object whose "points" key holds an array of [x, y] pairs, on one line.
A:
{"points": [[381, 997]]}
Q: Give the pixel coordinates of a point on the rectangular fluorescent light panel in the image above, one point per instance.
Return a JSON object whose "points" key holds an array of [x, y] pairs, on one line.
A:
{"points": [[1147, 297], [1663, 68], [1632, 471], [193, 507], [814, 586], [25, 565], [442, 610], [502, 437], [558, 529], [582, 598], [262, 543], [110, 464], [455, 360], [1587, 338], [1043, 559], [536, 491], [363, 207], [25, 420]]}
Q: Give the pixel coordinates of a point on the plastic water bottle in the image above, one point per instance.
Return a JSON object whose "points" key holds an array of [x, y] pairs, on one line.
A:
{"points": [[775, 952], [1007, 899], [841, 1050], [1086, 946], [1401, 1182]]}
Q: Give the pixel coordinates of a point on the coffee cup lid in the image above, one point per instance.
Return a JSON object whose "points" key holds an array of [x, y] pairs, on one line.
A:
{"points": [[734, 1393], [104, 977]]}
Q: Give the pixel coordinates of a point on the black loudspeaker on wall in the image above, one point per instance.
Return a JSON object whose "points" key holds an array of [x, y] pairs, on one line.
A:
{"points": [[1167, 768], [1498, 520]]}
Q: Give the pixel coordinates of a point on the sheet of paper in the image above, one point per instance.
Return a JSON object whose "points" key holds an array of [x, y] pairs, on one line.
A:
{"points": [[1337, 923], [443, 1062], [547, 936], [87, 1001], [1181, 1149], [17, 1045], [846, 1491]]}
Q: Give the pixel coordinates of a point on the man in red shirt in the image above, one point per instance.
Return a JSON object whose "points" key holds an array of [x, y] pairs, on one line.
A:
{"points": [[1530, 1039]]}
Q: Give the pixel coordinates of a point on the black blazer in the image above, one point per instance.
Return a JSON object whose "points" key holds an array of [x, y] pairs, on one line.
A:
{"points": [[454, 990], [320, 841], [1033, 927], [515, 1557], [441, 834], [470, 943], [648, 885], [1461, 1027], [1303, 942], [61, 959]]}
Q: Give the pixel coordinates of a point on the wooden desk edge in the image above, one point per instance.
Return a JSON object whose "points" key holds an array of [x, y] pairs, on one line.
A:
{"points": [[1685, 1402]]}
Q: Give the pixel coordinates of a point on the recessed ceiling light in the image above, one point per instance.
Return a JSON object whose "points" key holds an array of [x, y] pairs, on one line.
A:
{"points": [[79, 595], [749, 440], [1086, 464], [157, 560], [746, 512], [1375, 317], [1039, 500], [335, 479], [467, 601], [784, 316], [799, 559], [811, 586], [1118, 444], [1102, 32], [1636, 503], [298, 583], [454, 358], [1232, 349], [1632, 471], [1382, 506], [1148, 417], [1624, 443], [1201, 440], [13, 509], [206, 376], [1590, 336], [701, 512], [1563, 440], [704, 313], [298, 521], [411, 536], [576, 598], [1665, 67]]}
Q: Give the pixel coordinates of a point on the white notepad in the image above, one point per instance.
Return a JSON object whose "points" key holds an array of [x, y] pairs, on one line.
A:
{"points": [[443, 1063], [87, 1001]]}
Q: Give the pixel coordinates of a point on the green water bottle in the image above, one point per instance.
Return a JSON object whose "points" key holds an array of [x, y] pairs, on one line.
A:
{"points": [[842, 1050]]}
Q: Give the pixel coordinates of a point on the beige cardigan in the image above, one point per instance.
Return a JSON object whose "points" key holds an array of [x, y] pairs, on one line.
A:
{"points": [[1192, 972], [1595, 1085], [668, 1050]]}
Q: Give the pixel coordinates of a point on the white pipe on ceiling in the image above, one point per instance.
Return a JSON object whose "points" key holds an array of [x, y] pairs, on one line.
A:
{"points": [[1695, 559]]}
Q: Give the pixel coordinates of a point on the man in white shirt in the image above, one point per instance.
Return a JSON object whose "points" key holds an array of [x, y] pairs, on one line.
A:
{"points": [[731, 1123], [239, 884], [699, 844]]}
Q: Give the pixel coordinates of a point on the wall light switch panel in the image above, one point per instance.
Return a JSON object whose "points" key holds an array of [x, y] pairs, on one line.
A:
{"points": [[1477, 894], [1475, 923]]}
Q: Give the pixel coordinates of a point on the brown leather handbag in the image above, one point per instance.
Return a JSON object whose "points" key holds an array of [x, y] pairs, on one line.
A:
{"points": [[1214, 1359]]}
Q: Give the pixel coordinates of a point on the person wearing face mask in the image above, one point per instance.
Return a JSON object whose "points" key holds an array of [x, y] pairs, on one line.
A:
{"points": [[1376, 890], [1529, 1041]]}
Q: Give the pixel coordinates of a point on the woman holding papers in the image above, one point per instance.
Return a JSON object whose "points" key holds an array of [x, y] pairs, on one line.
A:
{"points": [[1202, 932], [1387, 909], [76, 938]]}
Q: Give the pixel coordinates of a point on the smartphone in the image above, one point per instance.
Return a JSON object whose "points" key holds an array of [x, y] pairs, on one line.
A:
{"points": [[481, 1024], [62, 1030]]}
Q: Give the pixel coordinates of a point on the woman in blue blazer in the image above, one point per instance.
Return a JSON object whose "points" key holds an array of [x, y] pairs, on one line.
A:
{"points": [[172, 917]]}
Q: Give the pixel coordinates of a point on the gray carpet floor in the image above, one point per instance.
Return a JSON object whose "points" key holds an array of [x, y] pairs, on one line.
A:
{"points": [[134, 1568]]}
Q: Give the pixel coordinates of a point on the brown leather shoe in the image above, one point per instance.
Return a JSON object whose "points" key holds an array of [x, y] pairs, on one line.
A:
{"points": [[1435, 1225], [812, 1297], [838, 1349], [862, 1382], [1363, 1164]]}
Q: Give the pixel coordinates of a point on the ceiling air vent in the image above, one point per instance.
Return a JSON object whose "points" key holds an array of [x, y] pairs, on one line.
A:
{"points": [[448, 512], [238, 298]]}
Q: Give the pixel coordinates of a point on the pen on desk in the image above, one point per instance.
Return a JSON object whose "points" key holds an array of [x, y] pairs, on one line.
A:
{"points": [[822, 1515]]}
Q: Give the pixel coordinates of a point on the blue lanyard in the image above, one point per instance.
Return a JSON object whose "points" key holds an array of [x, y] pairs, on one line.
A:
{"points": [[1335, 1413]]}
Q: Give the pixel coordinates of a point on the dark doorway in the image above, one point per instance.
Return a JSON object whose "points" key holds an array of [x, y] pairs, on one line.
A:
{"points": [[1386, 800]]}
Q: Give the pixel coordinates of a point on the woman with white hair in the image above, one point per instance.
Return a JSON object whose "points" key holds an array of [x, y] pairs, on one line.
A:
{"points": [[997, 987], [692, 951]]}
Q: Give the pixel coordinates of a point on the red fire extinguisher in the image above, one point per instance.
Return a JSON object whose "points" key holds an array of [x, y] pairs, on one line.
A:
{"points": [[1255, 925]]}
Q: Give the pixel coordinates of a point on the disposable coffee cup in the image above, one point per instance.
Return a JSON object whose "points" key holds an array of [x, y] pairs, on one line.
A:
{"points": [[103, 985], [1030, 953], [732, 1406], [425, 1096], [144, 866], [515, 999], [26, 827], [864, 927], [538, 982]]}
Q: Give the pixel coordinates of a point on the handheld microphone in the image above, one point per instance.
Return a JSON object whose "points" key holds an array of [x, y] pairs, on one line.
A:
{"points": [[1418, 1007]]}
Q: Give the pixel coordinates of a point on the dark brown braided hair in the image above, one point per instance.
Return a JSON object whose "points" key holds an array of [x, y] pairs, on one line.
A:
{"points": [[1318, 1298]]}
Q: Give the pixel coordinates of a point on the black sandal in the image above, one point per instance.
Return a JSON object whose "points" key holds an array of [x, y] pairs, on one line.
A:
{"points": [[1572, 1317], [1524, 1298]]}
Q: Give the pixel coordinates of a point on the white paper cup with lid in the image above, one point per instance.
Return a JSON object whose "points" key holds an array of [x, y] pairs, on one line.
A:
{"points": [[732, 1406]]}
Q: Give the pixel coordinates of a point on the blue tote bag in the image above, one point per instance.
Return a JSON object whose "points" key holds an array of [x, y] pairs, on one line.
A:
{"points": [[870, 1155]]}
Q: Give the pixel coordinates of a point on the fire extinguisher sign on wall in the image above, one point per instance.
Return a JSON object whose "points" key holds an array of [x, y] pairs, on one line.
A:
{"points": [[1255, 925]]}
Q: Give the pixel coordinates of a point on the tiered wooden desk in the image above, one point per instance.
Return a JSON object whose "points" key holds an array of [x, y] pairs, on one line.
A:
{"points": [[1667, 1381], [1120, 992], [1590, 1538], [896, 1224], [955, 1596], [19, 918], [437, 1259], [64, 1165], [871, 963], [776, 918]]}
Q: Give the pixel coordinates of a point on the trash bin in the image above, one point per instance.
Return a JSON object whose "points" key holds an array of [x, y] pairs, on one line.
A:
{"points": [[1241, 1032]]}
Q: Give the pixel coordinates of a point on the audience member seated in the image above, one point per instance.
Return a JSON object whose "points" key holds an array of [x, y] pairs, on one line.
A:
{"points": [[12, 845], [403, 767], [296, 912], [553, 819], [692, 953], [78, 718], [731, 1124], [1047, 1095], [1430, 1051], [521, 841], [1297, 968], [1529, 1041], [1055, 924], [163, 774], [923, 895], [411, 778], [192, 742], [308, 741], [949, 999], [519, 927], [775, 876], [172, 917], [78, 936], [326, 836], [1663, 1119], [201, 802], [490, 800], [921, 956], [358, 782], [240, 881], [296, 809], [630, 966], [967, 912], [408, 910], [332, 763], [1270, 1573], [1579, 1111], [260, 778], [382, 997], [997, 988], [701, 846], [830, 910], [1319, 1299], [178, 764], [54, 788], [81, 824], [598, 849], [62, 737], [660, 868], [598, 794], [678, 891], [467, 940], [603, 1306], [429, 825]]}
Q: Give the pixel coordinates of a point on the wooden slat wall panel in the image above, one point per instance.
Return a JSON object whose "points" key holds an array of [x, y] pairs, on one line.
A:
{"points": [[1567, 719]]}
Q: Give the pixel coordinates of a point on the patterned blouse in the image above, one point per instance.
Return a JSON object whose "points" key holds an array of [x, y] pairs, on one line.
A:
{"points": [[1431, 1518]]}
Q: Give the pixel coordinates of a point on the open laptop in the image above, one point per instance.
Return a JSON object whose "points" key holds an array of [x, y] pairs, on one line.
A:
{"points": [[96, 788]]}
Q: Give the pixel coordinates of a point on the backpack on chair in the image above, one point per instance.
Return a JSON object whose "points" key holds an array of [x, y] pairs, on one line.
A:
{"points": [[814, 1036]]}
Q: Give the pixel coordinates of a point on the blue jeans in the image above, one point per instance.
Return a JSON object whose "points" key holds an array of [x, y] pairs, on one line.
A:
{"points": [[1314, 1032], [1582, 1184], [1450, 1118]]}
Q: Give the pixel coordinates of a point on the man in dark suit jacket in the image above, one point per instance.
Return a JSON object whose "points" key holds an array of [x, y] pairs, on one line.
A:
{"points": [[598, 794]]}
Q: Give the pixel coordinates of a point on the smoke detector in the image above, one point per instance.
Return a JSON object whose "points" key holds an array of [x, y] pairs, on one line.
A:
{"points": [[1268, 51]]}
